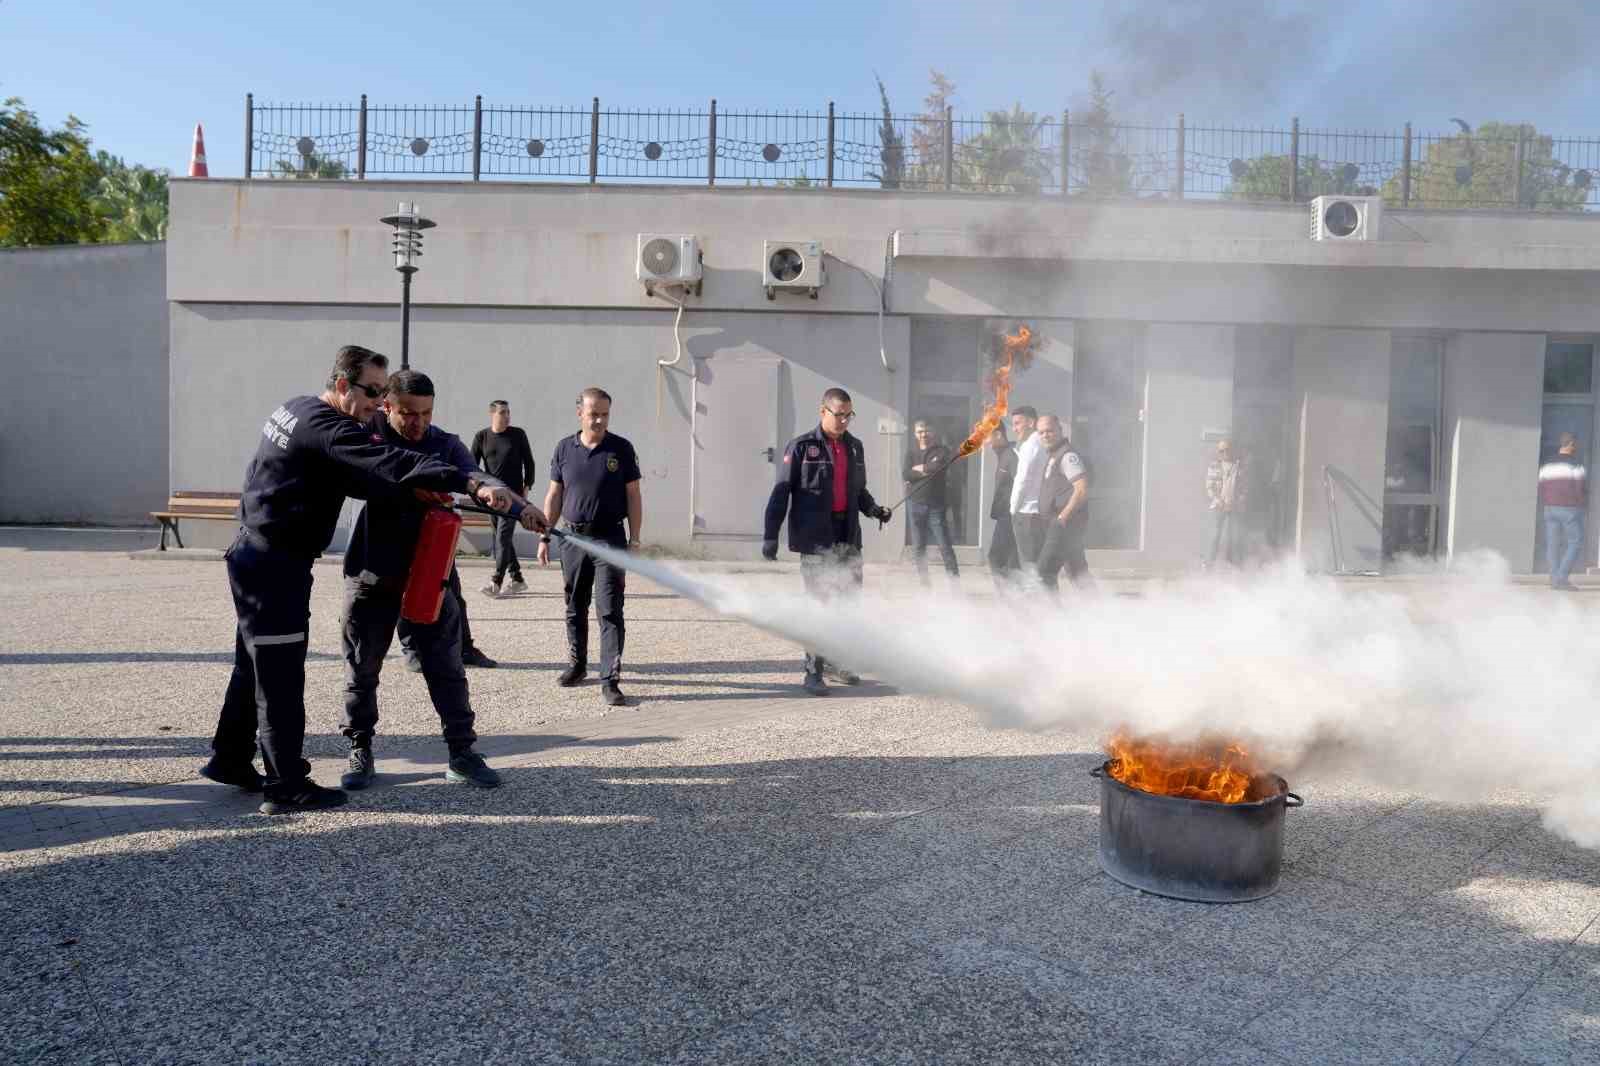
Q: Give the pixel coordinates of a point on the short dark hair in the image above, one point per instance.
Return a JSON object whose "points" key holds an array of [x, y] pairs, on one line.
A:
{"points": [[1026, 412], [499, 403], [593, 392], [836, 395], [351, 360], [410, 383]]}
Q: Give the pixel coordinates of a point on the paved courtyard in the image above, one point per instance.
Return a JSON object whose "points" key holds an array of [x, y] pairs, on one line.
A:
{"points": [[724, 871]]}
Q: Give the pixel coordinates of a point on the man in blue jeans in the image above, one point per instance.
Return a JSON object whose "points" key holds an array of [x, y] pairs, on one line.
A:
{"points": [[928, 461], [1563, 491]]}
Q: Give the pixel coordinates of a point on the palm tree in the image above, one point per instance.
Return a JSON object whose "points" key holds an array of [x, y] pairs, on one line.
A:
{"points": [[310, 166], [1007, 155], [133, 201]]}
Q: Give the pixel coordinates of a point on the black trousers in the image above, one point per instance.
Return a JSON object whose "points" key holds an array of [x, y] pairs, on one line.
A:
{"points": [[265, 702], [1063, 546], [585, 578], [505, 551], [834, 572], [1003, 549], [371, 617]]}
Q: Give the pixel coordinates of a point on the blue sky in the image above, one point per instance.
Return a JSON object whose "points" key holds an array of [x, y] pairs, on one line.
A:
{"points": [[142, 74]]}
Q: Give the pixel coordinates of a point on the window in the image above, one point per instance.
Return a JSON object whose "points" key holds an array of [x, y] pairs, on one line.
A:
{"points": [[1411, 463], [1568, 368], [1569, 408]]}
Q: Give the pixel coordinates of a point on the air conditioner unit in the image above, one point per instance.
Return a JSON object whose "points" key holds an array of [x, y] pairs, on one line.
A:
{"points": [[792, 266], [1346, 218], [668, 259]]}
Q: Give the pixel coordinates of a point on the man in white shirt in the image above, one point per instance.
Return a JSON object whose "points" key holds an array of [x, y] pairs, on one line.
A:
{"points": [[1026, 522]]}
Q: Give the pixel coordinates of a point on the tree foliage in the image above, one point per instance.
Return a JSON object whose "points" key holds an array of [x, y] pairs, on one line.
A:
{"points": [[1267, 178], [132, 200], [310, 166], [1479, 169], [927, 136], [1007, 155], [893, 151], [1104, 165]]}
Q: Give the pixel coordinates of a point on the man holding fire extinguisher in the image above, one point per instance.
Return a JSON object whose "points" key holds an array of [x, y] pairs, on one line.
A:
{"points": [[376, 565], [314, 452]]}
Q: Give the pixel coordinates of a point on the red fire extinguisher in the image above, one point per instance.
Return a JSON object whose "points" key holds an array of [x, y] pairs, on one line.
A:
{"points": [[430, 566]]}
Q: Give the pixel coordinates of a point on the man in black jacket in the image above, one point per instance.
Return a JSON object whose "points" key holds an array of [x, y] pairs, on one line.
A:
{"points": [[822, 487], [314, 451], [929, 460], [1003, 560]]}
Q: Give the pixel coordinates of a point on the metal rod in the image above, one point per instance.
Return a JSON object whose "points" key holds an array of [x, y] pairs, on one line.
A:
{"points": [[830, 144], [1294, 163], [918, 487], [361, 140], [711, 148], [594, 142], [249, 134], [1180, 155], [1405, 171], [477, 136], [405, 320], [1066, 153], [1517, 158], [949, 148]]}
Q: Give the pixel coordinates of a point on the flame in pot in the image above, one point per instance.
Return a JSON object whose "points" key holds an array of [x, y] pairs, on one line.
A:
{"points": [[1213, 769]]}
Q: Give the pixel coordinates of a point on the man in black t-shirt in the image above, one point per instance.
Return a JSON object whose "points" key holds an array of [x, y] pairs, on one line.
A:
{"points": [[594, 485], [502, 451], [929, 460], [1064, 508]]}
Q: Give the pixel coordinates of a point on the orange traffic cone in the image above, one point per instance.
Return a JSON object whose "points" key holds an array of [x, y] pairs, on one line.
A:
{"points": [[197, 162]]}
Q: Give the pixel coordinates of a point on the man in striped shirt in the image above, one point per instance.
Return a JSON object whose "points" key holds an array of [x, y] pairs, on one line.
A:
{"points": [[1563, 491]]}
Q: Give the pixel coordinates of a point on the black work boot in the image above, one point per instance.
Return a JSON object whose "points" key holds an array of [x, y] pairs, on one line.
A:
{"points": [[815, 685], [242, 776], [362, 767], [574, 673], [475, 657], [611, 694], [468, 768], [299, 796]]}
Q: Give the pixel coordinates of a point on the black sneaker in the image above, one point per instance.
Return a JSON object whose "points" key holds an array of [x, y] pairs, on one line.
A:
{"points": [[413, 664], [305, 795], [240, 775], [468, 768], [815, 685], [611, 694], [572, 675], [844, 677], [362, 769], [475, 657]]}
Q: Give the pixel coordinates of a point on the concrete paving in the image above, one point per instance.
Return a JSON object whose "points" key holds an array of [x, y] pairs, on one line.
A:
{"points": [[724, 871]]}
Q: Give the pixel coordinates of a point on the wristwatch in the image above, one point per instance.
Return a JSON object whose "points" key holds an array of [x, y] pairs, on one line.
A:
{"points": [[544, 538]]}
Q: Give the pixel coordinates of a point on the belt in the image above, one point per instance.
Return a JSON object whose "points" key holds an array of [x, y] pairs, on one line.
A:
{"points": [[594, 529]]}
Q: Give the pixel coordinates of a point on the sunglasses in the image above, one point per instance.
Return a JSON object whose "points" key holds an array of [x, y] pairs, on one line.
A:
{"points": [[372, 391]]}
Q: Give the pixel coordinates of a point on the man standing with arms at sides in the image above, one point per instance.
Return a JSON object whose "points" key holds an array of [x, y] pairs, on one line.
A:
{"points": [[929, 459], [1026, 523], [594, 485], [1563, 489], [376, 566], [1064, 507], [502, 451], [314, 452], [1002, 543], [822, 487]]}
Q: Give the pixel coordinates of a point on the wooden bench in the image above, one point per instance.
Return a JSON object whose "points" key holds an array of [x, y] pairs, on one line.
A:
{"points": [[196, 506]]}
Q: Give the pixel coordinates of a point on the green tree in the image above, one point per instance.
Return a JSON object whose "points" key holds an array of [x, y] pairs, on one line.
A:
{"points": [[311, 166], [48, 180], [132, 200], [893, 152], [1105, 168], [1478, 169], [1007, 154], [1267, 178], [927, 136]]}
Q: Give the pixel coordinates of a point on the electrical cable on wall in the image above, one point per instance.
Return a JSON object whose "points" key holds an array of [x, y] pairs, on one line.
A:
{"points": [[883, 350]]}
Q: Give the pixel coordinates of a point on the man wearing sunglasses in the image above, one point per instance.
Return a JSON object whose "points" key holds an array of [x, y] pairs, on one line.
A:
{"points": [[822, 487], [314, 451]]}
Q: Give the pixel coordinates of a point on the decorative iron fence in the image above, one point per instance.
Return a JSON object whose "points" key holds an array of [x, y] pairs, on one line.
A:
{"points": [[1505, 167]]}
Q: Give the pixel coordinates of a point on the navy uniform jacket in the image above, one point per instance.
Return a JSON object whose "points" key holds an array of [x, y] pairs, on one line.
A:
{"points": [[385, 534], [311, 457], [805, 491]]}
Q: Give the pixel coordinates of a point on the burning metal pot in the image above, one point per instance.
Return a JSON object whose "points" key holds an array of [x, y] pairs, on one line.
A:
{"points": [[1194, 849]]}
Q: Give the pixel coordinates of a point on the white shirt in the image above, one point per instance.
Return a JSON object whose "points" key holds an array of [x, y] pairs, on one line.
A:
{"points": [[1031, 461]]}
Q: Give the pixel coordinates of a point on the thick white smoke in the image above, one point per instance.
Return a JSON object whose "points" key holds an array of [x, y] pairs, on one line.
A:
{"points": [[1460, 686]]}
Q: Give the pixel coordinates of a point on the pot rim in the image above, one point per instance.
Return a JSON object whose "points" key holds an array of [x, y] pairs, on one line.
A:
{"points": [[1283, 795]]}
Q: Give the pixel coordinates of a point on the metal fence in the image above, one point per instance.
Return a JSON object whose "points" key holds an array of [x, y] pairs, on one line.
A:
{"points": [[1504, 167]]}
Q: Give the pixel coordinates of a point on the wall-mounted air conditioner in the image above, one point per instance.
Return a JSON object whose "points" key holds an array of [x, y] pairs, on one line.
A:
{"points": [[1346, 218], [668, 259], [792, 266]]}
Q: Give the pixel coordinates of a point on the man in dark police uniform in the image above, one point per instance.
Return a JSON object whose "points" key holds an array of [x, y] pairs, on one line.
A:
{"points": [[822, 486], [594, 485], [376, 566], [315, 451]]}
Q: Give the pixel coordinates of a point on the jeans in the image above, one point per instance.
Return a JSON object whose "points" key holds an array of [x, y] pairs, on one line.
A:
{"points": [[1225, 534], [928, 521], [505, 551], [1562, 522]]}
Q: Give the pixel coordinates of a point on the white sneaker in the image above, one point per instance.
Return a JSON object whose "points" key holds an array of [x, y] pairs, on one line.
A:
{"points": [[491, 590], [517, 586]]}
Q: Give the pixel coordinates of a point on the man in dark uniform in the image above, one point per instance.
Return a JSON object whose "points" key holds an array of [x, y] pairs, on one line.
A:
{"points": [[376, 566], [315, 451], [1064, 506], [594, 485], [502, 451], [822, 486], [1003, 560], [929, 460]]}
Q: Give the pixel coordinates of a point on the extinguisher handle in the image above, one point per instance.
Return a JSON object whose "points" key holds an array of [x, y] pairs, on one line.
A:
{"points": [[517, 507]]}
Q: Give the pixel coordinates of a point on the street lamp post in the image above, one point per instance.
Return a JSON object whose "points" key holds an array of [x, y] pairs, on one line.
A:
{"points": [[408, 227]]}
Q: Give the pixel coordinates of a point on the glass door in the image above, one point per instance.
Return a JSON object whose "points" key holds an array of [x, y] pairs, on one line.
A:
{"points": [[1411, 497], [1568, 408]]}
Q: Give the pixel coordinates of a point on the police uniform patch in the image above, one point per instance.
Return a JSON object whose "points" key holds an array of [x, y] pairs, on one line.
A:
{"points": [[612, 464]]}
